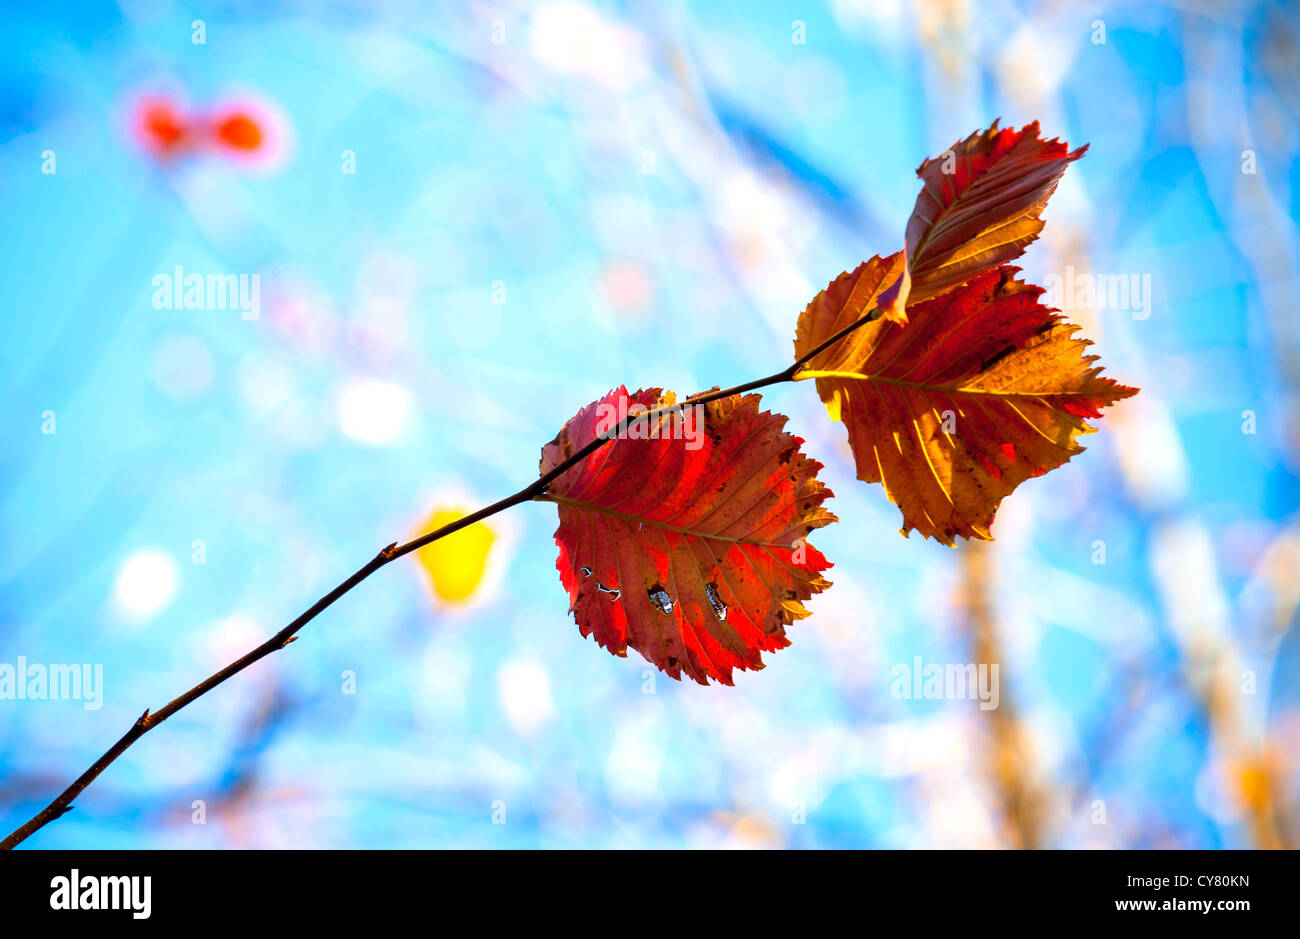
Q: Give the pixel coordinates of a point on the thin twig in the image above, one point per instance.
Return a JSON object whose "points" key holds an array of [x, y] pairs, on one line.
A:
{"points": [[148, 721]]}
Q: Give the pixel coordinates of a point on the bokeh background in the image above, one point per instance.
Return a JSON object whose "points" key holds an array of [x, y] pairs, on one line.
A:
{"points": [[470, 219]]}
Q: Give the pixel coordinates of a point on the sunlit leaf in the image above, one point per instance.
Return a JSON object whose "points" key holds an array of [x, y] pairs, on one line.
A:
{"points": [[983, 388], [684, 538], [980, 205]]}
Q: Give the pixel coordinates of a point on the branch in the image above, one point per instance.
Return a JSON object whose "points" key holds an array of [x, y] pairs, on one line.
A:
{"points": [[148, 721]]}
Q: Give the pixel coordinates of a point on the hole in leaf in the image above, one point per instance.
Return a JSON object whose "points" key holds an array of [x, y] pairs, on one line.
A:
{"points": [[718, 606], [659, 597], [613, 594], [586, 571]]}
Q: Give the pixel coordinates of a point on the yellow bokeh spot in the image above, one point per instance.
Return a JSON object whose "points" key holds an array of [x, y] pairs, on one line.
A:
{"points": [[456, 563]]}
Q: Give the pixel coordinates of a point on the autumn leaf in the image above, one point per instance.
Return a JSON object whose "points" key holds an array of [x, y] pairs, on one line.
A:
{"points": [[980, 205], [983, 388], [684, 537]]}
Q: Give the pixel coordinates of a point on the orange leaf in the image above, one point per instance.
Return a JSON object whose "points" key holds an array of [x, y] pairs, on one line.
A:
{"points": [[980, 205], [982, 389], [880, 283], [683, 538]]}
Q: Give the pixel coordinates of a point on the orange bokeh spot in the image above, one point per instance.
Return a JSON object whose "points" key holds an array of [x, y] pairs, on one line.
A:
{"points": [[163, 128], [241, 132]]}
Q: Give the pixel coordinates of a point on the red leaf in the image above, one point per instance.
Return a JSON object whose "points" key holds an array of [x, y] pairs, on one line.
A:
{"points": [[980, 205], [683, 539]]}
